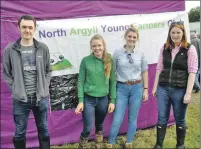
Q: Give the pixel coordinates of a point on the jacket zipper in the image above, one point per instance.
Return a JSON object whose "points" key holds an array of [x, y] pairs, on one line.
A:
{"points": [[171, 66], [22, 72], [170, 73], [36, 79]]}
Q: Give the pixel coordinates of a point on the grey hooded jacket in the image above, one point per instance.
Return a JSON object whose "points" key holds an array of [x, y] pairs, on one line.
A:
{"points": [[13, 70]]}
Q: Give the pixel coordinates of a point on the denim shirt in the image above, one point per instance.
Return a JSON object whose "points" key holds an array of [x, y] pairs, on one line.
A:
{"points": [[129, 71]]}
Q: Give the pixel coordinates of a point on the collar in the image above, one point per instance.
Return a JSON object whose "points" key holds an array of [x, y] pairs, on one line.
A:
{"points": [[94, 57], [17, 44], [124, 47], [172, 47]]}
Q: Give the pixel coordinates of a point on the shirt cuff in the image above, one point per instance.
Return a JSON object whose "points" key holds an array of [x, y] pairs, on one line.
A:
{"points": [[192, 70], [81, 99], [159, 70], [112, 100], [145, 69]]}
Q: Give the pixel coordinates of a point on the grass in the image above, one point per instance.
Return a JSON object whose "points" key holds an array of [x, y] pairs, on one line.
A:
{"points": [[146, 138]]}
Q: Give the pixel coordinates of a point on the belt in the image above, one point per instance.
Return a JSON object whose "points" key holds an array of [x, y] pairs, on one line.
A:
{"points": [[130, 82], [31, 95]]}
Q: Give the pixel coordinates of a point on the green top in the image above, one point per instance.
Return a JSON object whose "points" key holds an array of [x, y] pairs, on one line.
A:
{"points": [[92, 79]]}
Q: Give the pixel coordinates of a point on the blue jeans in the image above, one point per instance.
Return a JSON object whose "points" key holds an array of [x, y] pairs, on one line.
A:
{"points": [[130, 95], [167, 96], [21, 112], [97, 106]]}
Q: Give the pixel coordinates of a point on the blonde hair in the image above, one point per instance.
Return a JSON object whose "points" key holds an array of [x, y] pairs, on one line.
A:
{"points": [[132, 28], [106, 55], [170, 43]]}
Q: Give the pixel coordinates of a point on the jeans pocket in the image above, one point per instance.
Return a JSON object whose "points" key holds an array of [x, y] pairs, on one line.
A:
{"points": [[43, 105], [13, 88]]}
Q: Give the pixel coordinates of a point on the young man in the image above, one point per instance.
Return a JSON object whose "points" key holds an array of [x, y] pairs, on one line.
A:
{"points": [[26, 69]]}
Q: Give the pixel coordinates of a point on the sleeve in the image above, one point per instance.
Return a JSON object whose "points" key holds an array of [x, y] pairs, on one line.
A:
{"points": [[81, 80], [114, 60], [144, 65], [112, 83], [198, 53], [48, 67], [159, 66], [7, 69], [192, 60]]}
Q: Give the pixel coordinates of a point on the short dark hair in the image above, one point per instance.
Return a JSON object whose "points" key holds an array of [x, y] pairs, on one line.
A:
{"points": [[26, 17]]}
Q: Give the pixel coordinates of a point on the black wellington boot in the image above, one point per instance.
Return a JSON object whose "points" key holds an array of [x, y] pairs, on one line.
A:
{"points": [[161, 131], [181, 133], [44, 142], [19, 144]]}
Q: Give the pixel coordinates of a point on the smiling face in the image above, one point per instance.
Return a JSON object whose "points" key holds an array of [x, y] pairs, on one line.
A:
{"points": [[97, 47], [176, 35], [131, 39], [27, 29]]}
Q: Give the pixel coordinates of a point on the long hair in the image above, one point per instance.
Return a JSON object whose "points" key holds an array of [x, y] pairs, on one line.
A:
{"points": [[170, 43], [106, 55]]}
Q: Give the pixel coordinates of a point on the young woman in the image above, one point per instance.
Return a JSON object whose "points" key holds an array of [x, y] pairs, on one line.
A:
{"points": [[174, 80], [96, 79], [131, 68]]}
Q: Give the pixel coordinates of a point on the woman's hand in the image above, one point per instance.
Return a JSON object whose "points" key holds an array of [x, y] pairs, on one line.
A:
{"points": [[154, 90], [79, 108], [145, 95], [187, 98], [111, 108]]}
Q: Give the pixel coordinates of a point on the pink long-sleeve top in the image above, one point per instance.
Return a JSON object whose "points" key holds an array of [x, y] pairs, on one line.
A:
{"points": [[192, 59]]}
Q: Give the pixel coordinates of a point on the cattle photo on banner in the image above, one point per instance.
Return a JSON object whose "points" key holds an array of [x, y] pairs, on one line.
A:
{"points": [[68, 41]]}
